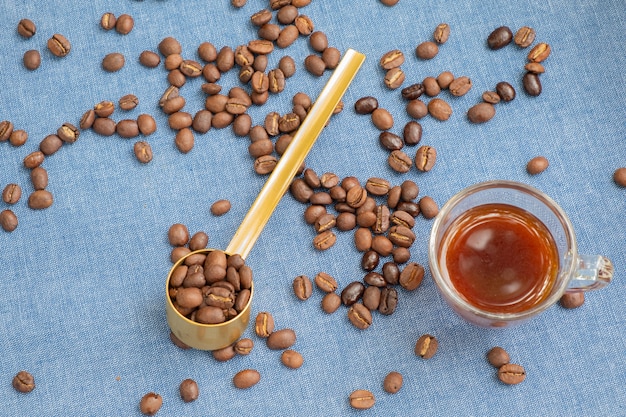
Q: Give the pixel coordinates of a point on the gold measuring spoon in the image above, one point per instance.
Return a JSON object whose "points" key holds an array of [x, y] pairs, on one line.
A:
{"points": [[216, 336]]}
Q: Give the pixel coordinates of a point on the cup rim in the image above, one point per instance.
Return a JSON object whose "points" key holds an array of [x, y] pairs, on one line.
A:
{"points": [[566, 268]]}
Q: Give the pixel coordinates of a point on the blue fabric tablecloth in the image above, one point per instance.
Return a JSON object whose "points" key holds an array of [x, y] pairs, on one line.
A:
{"points": [[81, 283]]}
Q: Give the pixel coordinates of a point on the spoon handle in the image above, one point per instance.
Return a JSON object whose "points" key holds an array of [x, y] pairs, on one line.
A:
{"points": [[302, 142]]}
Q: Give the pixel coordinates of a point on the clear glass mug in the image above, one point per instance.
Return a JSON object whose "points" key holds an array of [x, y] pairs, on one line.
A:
{"points": [[576, 272]]}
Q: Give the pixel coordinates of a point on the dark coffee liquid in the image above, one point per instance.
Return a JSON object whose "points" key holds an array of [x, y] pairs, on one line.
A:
{"points": [[500, 258]]}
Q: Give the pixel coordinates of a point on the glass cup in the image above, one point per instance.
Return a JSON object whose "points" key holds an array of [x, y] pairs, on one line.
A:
{"points": [[575, 272]]}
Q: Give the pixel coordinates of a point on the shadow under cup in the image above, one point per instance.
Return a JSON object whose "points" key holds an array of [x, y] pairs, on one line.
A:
{"points": [[543, 208]]}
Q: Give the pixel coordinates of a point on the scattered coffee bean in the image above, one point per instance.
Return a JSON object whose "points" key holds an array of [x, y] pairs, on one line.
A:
{"points": [[426, 346], [68, 133], [441, 33], [431, 86], [366, 105], [50, 144], [416, 109], [481, 112], [500, 37], [246, 378], [264, 324], [146, 124], [59, 46], [104, 126], [619, 176], [511, 374], [427, 50], [399, 161], [39, 178], [524, 37], [143, 151], [491, 97], [24, 382], [352, 293], [32, 59], [281, 339], [425, 158], [315, 65], [113, 62], [539, 53], [388, 301], [124, 24], [178, 234], [169, 45], [107, 21], [393, 382], [220, 207], [572, 300], [331, 302], [498, 357], [34, 159], [505, 91], [428, 207], [8, 220], [534, 67], [127, 128], [11, 193], [104, 108], [371, 296], [537, 165], [26, 28], [532, 84], [382, 118], [150, 404], [360, 316], [302, 287], [392, 59], [439, 109], [128, 102], [460, 86], [362, 399], [394, 78], [244, 346], [6, 128], [149, 59], [184, 140], [189, 390], [324, 240], [224, 354], [291, 359]]}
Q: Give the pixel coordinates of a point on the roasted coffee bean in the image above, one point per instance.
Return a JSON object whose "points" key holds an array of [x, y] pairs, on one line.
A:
{"points": [[124, 24], [460, 86], [428, 207], [363, 239], [500, 37], [325, 282], [439, 109], [324, 240], [224, 354], [104, 126], [169, 45], [287, 65], [281, 339], [431, 86], [362, 399], [374, 279], [619, 177], [246, 378], [356, 196], [331, 57], [236, 105], [412, 92], [143, 151], [539, 53], [390, 141], [32, 59], [505, 90], [220, 207], [277, 4], [411, 276], [50, 144], [330, 302], [291, 359], [40, 199], [388, 301], [288, 123], [315, 65], [261, 17], [276, 80], [498, 357], [401, 236], [149, 59], [188, 390], [445, 79], [382, 245], [537, 165], [401, 255], [300, 190], [491, 97], [11, 193], [481, 112], [392, 382], [6, 128], [34, 159], [68, 133], [39, 178], [304, 24], [302, 287], [382, 118], [8, 220], [209, 315], [244, 346], [426, 346], [150, 404], [128, 102], [180, 120], [176, 78], [264, 324], [325, 222], [441, 33], [199, 240], [104, 108], [409, 190], [524, 37], [511, 374], [410, 207], [402, 218], [352, 293], [261, 46], [189, 297], [425, 158], [59, 46], [399, 161], [225, 59], [394, 78], [572, 299], [269, 32], [377, 186], [18, 137], [392, 59], [212, 74], [412, 133], [427, 50], [535, 67], [360, 316], [87, 119], [416, 109], [127, 128], [184, 140], [265, 164], [389, 3], [178, 234], [318, 41], [26, 28], [371, 298], [532, 84], [391, 273], [146, 124], [113, 62], [286, 14], [287, 36], [24, 382], [366, 105]]}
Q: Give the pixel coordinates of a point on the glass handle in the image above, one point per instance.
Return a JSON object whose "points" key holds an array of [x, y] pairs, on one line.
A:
{"points": [[593, 272]]}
